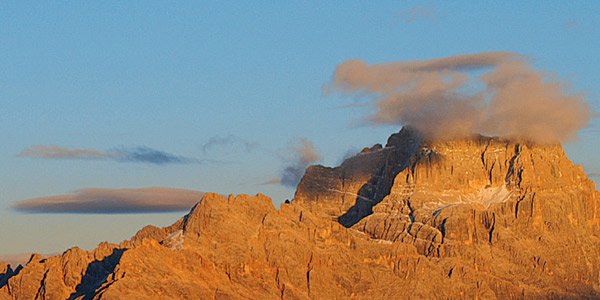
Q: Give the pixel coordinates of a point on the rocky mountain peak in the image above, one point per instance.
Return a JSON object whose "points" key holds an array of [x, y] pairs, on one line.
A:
{"points": [[477, 217], [408, 161]]}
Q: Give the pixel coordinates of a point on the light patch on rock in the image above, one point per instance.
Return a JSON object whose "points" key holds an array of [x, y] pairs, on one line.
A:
{"points": [[174, 241], [483, 196]]}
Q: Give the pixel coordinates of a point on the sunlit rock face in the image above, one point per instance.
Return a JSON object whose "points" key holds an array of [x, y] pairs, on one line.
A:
{"points": [[512, 213], [415, 219]]}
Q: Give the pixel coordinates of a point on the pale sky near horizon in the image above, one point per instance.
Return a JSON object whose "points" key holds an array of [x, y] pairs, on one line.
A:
{"points": [[209, 96]]}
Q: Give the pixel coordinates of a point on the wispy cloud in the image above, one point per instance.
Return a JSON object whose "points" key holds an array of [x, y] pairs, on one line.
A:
{"points": [[113, 201], [352, 151], [275, 180], [302, 155], [149, 155], [56, 152], [228, 141], [571, 24], [418, 12], [445, 98], [138, 154]]}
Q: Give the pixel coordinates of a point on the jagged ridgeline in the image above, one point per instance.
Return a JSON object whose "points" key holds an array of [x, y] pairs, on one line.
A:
{"points": [[473, 218]]}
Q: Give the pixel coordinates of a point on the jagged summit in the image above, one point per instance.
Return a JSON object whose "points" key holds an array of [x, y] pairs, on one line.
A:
{"points": [[468, 165], [478, 217]]}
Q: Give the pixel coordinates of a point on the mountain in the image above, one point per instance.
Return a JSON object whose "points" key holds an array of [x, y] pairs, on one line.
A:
{"points": [[479, 217]]}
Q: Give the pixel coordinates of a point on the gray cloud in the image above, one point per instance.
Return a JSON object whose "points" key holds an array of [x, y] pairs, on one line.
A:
{"points": [[149, 155], [418, 12], [352, 151], [228, 141], [302, 155], [494, 93], [138, 154], [113, 201]]}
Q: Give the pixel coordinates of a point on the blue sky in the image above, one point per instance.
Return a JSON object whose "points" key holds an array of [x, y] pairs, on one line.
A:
{"points": [[174, 78]]}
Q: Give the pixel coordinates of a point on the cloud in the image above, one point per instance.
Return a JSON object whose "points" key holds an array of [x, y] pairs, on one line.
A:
{"points": [[494, 93], [416, 13], [593, 131], [571, 24], [56, 152], [352, 151], [149, 155], [138, 154], [228, 141], [275, 180], [113, 201], [303, 154]]}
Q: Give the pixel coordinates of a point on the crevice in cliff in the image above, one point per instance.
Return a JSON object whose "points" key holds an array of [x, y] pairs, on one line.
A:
{"points": [[521, 198], [487, 145], [491, 226], [511, 167], [309, 268], [96, 274], [41, 292]]}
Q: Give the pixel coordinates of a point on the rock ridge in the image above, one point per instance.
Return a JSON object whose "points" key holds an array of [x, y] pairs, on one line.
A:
{"points": [[480, 218]]}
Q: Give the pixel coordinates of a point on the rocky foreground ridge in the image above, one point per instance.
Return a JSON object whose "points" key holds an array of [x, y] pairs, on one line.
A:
{"points": [[477, 218]]}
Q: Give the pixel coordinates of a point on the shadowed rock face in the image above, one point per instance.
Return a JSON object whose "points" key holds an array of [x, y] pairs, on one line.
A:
{"points": [[349, 192], [479, 218]]}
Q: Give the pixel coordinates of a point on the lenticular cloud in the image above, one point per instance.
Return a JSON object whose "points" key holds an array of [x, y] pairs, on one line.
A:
{"points": [[494, 93], [114, 201]]}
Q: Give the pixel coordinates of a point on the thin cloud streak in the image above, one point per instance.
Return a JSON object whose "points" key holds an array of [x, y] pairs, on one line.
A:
{"points": [[138, 154], [113, 201], [228, 141], [276, 180], [444, 99], [149, 155], [303, 154], [418, 12], [571, 24], [56, 152]]}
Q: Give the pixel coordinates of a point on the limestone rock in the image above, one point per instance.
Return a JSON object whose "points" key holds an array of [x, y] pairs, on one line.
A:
{"points": [[515, 210], [481, 218]]}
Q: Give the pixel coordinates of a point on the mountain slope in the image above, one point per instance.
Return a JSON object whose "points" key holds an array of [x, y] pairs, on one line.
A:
{"points": [[475, 218]]}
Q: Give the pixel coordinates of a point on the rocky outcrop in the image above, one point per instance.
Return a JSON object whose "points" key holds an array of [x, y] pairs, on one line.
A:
{"points": [[348, 192], [512, 213], [479, 218]]}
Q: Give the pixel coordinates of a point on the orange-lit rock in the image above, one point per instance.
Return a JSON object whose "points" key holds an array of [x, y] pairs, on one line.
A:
{"points": [[481, 218]]}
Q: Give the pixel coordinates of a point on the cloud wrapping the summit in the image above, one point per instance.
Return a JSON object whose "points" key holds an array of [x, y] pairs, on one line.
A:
{"points": [[494, 93], [113, 201], [303, 155]]}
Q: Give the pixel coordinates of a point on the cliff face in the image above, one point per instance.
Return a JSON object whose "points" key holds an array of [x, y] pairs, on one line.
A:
{"points": [[517, 216], [478, 218]]}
